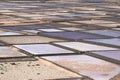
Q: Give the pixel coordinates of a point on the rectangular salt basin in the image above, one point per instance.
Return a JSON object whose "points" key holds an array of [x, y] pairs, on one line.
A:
{"points": [[109, 25], [94, 68], [116, 29], [114, 41], [8, 52], [5, 11], [27, 39], [94, 12], [68, 23], [31, 31], [13, 8], [27, 6], [14, 28], [29, 27], [9, 33], [105, 32], [111, 55], [56, 18], [75, 15], [42, 49], [80, 46], [72, 35], [28, 15], [50, 25], [72, 29], [51, 30], [95, 22], [9, 13]]}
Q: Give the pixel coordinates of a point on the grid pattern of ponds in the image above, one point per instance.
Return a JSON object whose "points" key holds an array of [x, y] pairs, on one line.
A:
{"points": [[80, 36]]}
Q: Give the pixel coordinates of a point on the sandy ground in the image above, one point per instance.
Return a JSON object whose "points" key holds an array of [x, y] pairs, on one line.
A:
{"points": [[31, 70]]}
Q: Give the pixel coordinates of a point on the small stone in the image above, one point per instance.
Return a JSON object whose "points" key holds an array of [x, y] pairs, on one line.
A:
{"points": [[28, 65], [1, 73], [13, 63], [37, 64], [38, 73]]}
